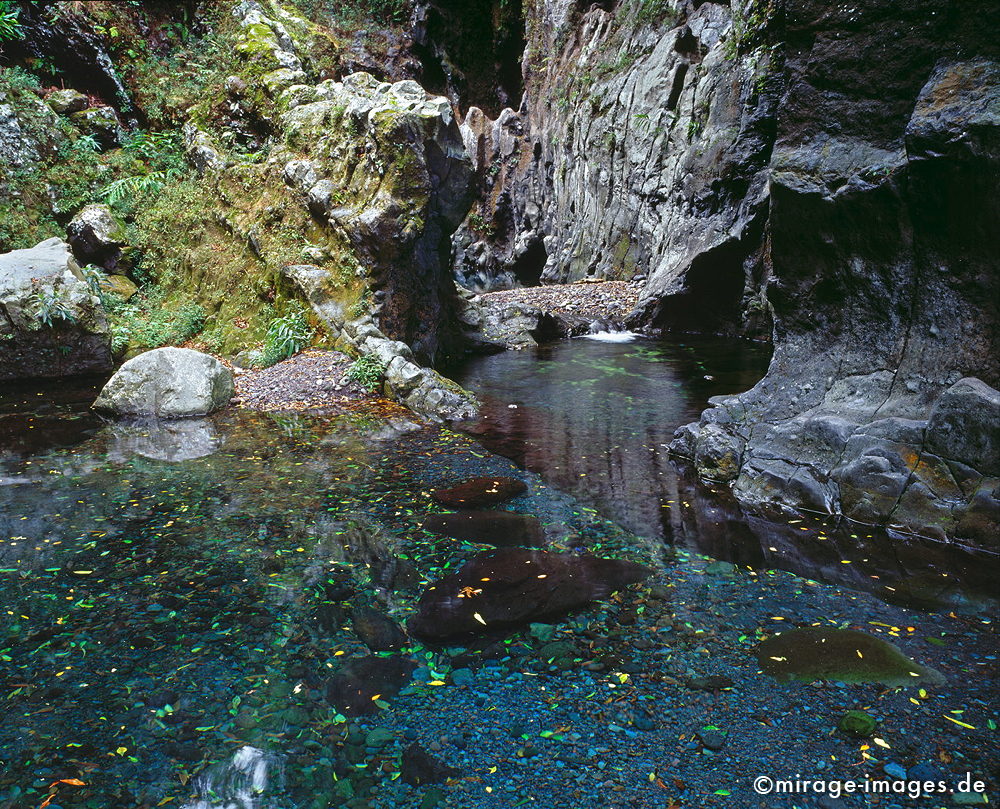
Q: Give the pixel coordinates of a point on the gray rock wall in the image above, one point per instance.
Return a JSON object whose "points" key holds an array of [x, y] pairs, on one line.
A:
{"points": [[884, 288], [640, 149], [823, 176]]}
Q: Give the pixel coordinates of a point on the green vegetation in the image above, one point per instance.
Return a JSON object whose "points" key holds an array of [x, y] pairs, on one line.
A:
{"points": [[652, 10], [368, 371], [10, 25], [51, 307], [286, 336], [347, 12], [144, 323], [750, 27]]}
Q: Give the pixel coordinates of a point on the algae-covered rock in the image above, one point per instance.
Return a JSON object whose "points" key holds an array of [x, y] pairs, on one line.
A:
{"points": [[51, 324], [66, 101], [168, 383], [844, 655], [102, 123], [857, 723]]}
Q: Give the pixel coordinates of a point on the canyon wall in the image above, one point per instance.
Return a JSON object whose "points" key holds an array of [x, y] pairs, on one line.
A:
{"points": [[825, 177]]}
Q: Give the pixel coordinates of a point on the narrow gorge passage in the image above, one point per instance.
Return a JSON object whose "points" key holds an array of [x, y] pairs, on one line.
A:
{"points": [[424, 404]]}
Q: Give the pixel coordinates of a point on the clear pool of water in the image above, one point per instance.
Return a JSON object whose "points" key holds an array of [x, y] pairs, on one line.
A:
{"points": [[177, 599]]}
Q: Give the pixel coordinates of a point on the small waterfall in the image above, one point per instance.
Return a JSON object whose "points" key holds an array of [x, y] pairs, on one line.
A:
{"points": [[238, 783], [612, 336]]}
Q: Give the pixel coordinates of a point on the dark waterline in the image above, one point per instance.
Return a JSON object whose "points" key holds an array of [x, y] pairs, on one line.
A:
{"points": [[595, 419]]}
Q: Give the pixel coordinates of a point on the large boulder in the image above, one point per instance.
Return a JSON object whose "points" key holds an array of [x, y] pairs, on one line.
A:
{"points": [[97, 237], [51, 323], [513, 586], [168, 383]]}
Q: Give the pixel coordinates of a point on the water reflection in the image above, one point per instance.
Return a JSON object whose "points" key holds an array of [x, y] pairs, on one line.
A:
{"points": [[176, 440], [595, 418]]}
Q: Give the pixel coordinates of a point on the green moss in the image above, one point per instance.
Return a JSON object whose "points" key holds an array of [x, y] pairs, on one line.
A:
{"points": [[844, 655]]}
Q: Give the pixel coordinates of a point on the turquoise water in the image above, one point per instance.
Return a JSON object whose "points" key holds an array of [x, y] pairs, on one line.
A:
{"points": [[180, 602]]}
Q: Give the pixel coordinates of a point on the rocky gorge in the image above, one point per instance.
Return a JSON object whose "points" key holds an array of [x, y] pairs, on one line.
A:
{"points": [[738, 162], [686, 309]]}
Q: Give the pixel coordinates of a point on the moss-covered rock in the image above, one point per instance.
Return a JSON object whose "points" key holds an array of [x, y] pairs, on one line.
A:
{"points": [[845, 655]]}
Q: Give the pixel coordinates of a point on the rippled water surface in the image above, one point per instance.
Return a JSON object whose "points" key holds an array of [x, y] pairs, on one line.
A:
{"points": [[184, 606]]}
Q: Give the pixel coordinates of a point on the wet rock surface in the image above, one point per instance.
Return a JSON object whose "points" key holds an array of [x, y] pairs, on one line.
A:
{"points": [[512, 586], [500, 528]]}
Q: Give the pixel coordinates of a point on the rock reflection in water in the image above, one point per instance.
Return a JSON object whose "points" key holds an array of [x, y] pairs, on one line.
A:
{"points": [[174, 441], [595, 418], [239, 783]]}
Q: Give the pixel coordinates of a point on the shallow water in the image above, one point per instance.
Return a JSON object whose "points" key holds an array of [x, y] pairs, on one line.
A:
{"points": [[594, 419], [177, 603]]}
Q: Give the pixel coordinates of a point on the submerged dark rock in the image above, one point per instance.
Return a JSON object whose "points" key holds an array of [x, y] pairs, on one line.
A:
{"points": [[513, 586], [419, 767], [379, 632], [362, 680], [500, 528], [480, 492], [846, 655]]}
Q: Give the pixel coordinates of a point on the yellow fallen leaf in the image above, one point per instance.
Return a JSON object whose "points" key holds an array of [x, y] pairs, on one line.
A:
{"points": [[479, 618], [961, 724], [436, 682], [881, 743]]}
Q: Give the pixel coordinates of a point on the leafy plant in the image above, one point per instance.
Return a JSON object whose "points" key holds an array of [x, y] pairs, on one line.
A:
{"points": [[10, 25], [652, 10], [88, 144], [145, 323], [93, 277], [152, 144], [368, 371], [137, 185], [286, 336], [51, 306]]}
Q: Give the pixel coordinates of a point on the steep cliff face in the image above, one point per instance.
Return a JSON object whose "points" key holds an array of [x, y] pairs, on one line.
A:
{"points": [[640, 149], [822, 176], [880, 401]]}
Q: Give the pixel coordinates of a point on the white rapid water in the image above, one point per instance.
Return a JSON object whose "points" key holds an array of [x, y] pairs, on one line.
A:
{"points": [[236, 784], [612, 336]]}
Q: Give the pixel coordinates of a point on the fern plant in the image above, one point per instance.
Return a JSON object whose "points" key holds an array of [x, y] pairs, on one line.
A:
{"points": [[137, 185], [286, 336], [368, 371]]}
